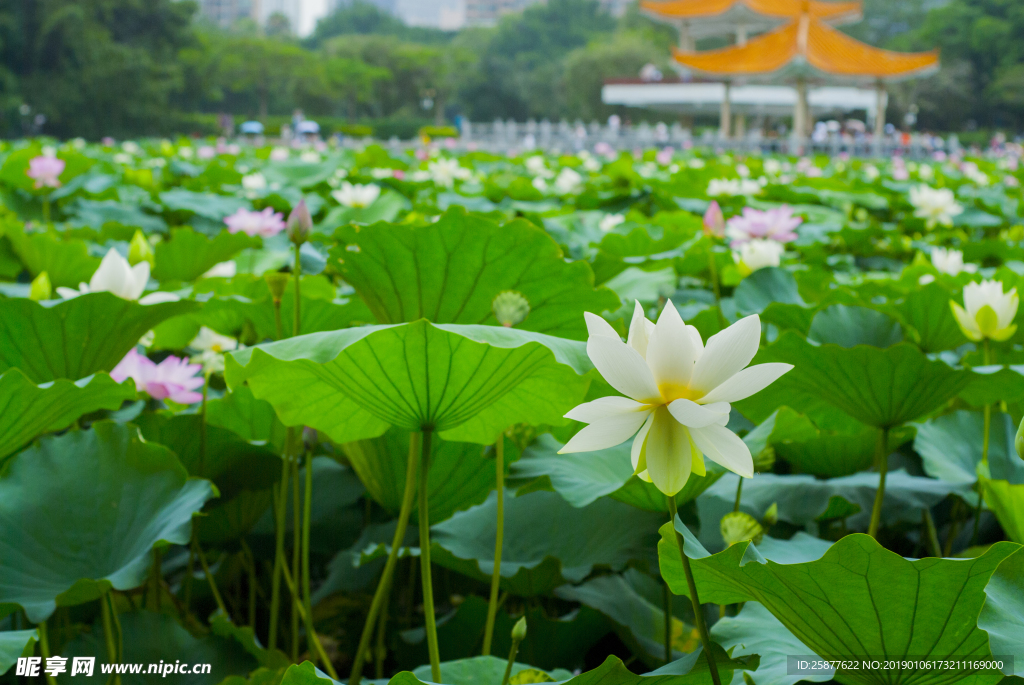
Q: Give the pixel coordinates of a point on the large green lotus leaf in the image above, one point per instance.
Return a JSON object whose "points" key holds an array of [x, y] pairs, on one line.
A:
{"points": [[207, 205], [75, 338], [849, 326], [451, 271], [226, 522], [298, 173], [802, 499], [66, 262], [994, 384], [233, 464], [461, 473], [551, 641], [633, 601], [80, 513], [547, 542], [468, 383], [348, 572], [583, 478], [1002, 616], [927, 313], [98, 214], [14, 644], [387, 207], [187, 255], [857, 599], [755, 631], [772, 292], [882, 388], [1006, 500], [28, 410], [150, 638], [245, 416], [950, 447]]}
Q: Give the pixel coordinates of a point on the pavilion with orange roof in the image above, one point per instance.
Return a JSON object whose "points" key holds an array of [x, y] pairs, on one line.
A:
{"points": [[808, 50]]}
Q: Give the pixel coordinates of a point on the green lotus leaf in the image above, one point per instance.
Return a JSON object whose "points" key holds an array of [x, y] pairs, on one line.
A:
{"points": [[849, 326], [1002, 616], [468, 383], [98, 214], [857, 599], [634, 603], [551, 641], [583, 478], [950, 447], [451, 271], [298, 173], [80, 513], [387, 207], [927, 314], [755, 631], [75, 338], [245, 416], [772, 292], [150, 638], [882, 388], [547, 541], [226, 522], [1006, 500], [994, 384], [207, 205], [66, 262], [28, 410], [220, 624], [461, 474], [187, 255], [14, 644]]}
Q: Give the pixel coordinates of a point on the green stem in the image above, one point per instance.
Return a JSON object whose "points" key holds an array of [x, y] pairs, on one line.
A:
{"points": [[189, 572], [492, 605], [250, 561], [882, 460], [279, 520], [314, 639], [984, 452], [380, 652], [298, 297], [739, 495], [930, 535], [698, 611], [307, 514], [155, 579], [111, 626], [954, 526], [428, 587], [46, 209], [383, 587], [44, 649], [667, 606], [209, 577], [511, 661], [713, 268], [296, 553], [278, 327]]}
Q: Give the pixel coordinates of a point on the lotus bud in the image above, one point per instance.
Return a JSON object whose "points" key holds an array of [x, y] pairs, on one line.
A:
{"points": [[300, 223], [277, 282], [737, 526], [519, 630], [41, 288], [771, 516], [714, 221], [1019, 442], [510, 308], [139, 250]]}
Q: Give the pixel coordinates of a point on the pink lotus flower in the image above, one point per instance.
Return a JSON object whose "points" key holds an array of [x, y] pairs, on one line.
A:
{"points": [[775, 224], [664, 156], [714, 221], [206, 152], [263, 224], [173, 378], [46, 171]]}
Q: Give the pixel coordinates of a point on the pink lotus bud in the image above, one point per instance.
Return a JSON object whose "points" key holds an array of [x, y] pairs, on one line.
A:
{"points": [[300, 223], [714, 221]]}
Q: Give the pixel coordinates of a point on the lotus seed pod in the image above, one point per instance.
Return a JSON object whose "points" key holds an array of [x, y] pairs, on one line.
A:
{"points": [[41, 288], [738, 526], [519, 630], [139, 250], [510, 308], [277, 282]]}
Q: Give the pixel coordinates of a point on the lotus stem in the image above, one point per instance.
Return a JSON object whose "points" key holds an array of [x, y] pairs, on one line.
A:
{"points": [[308, 619], [278, 327], [984, 451], [111, 632], [384, 586], [739, 495], [46, 209], [518, 634], [44, 649], [279, 513], [715, 288], [930, 535], [428, 586], [209, 577], [667, 606], [296, 554], [499, 535], [307, 514], [698, 611], [189, 573], [154, 578], [250, 562], [882, 459], [298, 297], [380, 652]]}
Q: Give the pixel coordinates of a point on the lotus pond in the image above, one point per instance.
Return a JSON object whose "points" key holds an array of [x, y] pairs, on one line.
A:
{"points": [[446, 416]]}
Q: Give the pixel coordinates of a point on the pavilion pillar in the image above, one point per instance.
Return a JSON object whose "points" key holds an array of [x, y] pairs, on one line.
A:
{"points": [[740, 128], [881, 100], [800, 113], [741, 35], [686, 42], [725, 120]]}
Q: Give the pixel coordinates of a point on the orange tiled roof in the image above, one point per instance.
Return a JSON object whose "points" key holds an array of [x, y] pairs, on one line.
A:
{"points": [[808, 42], [705, 9]]}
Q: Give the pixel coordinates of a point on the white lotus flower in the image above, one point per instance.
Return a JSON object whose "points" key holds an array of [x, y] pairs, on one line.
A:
{"points": [[950, 261], [445, 171], [212, 346], [732, 187], [115, 275], [610, 221], [937, 206], [356, 195], [254, 182], [536, 166], [758, 254], [988, 312], [568, 182], [677, 395], [222, 270]]}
